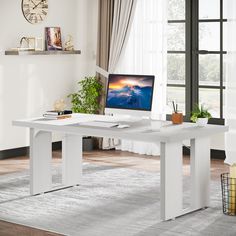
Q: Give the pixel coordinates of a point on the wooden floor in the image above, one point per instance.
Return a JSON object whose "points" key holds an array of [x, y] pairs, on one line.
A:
{"points": [[111, 158]]}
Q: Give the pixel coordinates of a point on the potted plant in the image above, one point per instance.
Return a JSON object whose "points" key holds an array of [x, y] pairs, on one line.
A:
{"points": [[86, 100], [200, 115]]}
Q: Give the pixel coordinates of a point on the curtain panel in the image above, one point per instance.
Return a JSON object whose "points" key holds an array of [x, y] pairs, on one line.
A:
{"points": [[146, 53], [114, 23], [124, 11], [105, 21], [230, 91], [115, 19]]}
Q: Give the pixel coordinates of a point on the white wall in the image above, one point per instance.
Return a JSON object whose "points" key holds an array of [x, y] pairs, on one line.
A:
{"points": [[87, 15], [29, 85]]}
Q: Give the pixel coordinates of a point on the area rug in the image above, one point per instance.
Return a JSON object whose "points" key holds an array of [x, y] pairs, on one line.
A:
{"points": [[111, 201]]}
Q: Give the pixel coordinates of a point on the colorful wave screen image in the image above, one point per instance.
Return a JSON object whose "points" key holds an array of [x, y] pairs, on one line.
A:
{"points": [[130, 92]]}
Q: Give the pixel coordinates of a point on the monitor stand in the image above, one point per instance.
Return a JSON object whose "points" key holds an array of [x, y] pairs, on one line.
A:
{"points": [[127, 118], [128, 113], [133, 115]]}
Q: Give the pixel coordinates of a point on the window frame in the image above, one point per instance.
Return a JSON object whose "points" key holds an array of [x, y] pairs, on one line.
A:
{"points": [[192, 53]]}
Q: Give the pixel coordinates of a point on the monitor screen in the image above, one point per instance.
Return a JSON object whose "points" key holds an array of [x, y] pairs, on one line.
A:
{"points": [[130, 92]]}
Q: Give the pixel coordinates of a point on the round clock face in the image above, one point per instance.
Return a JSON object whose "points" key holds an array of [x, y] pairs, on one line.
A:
{"points": [[35, 11]]}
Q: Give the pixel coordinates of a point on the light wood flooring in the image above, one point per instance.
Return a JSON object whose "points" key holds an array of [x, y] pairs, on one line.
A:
{"points": [[110, 158]]}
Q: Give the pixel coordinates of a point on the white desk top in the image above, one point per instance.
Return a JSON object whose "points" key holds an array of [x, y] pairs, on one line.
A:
{"points": [[142, 130]]}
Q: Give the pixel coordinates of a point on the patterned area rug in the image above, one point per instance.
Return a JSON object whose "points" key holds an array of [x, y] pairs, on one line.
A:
{"points": [[112, 201]]}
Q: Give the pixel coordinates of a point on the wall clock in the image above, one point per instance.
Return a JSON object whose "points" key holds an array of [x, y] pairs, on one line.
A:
{"points": [[34, 11]]}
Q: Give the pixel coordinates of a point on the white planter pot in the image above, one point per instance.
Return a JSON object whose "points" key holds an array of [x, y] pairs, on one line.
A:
{"points": [[202, 122]]}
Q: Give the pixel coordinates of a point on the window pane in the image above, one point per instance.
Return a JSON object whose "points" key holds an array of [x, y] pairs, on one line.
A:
{"points": [[225, 9], [224, 68], [210, 98], [225, 34], [223, 104], [209, 70], [176, 94], [176, 37], [176, 9], [176, 68], [209, 36], [209, 9]]}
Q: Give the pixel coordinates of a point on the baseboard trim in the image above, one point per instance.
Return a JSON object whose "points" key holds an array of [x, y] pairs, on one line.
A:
{"points": [[215, 154], [24, 151]]}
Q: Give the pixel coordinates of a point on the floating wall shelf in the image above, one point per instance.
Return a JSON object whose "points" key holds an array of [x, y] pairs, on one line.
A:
{"points": [[29, 53]]}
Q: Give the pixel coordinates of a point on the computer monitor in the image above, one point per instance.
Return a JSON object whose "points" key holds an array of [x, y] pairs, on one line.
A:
{"points": [[129, 94]]}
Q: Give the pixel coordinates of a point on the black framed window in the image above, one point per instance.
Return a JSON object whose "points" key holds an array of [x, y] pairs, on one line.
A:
{"points": [[196, 53], [176, 58]]}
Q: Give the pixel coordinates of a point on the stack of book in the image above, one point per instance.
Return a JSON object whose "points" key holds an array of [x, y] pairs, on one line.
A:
{"points": [[55, 115]]}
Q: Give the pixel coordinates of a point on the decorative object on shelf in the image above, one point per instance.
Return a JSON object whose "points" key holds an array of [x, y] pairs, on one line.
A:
{"points": [[200, 115], [24, 42], [53, 38], [27, 43], [176, 117], [34, 11], [59, 105], [86, 100], [39, 45], [69, 43]]}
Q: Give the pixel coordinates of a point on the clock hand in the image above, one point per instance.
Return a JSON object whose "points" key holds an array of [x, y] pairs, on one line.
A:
{"points": [[38, 4], [33, 2]]}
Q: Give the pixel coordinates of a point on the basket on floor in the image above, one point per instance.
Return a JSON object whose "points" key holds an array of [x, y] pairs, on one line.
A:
{"points": [[228, 186]]}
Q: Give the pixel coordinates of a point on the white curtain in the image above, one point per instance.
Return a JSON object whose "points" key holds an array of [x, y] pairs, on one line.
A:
{"points": [[146, 53], [230, 93]]}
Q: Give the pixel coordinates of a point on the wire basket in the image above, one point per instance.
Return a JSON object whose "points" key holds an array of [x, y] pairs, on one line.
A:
{"points": [[228, 186]]}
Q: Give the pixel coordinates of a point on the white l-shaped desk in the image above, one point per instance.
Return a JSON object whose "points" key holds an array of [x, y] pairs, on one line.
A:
{"points": [[169, 136]]}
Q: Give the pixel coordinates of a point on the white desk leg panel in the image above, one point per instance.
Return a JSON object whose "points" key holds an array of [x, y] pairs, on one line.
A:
{"points": [[171, 180], [200, 172], [71, 160], [40, 161]]}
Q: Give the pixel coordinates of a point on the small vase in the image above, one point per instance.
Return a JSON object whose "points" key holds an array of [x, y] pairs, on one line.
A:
{"points": [[202, 122]]}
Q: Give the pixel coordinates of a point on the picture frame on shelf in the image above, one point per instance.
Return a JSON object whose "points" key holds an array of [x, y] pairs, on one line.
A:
{"points": [[27, 43], [53, 38], [31, 42], [39, 45]]}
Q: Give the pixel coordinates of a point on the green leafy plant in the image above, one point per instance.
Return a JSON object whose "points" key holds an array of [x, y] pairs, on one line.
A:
{"points": [[86, 100], [199, 112]]}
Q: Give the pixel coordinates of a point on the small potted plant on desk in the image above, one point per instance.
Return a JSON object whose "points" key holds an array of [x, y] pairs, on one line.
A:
{"points": [[200, 115], [86, 100]]}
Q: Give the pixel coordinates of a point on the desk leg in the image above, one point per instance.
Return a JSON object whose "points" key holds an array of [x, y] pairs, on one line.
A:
{"points": [[40, 161], [171, 180], [200, 172], [71, 160]]}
